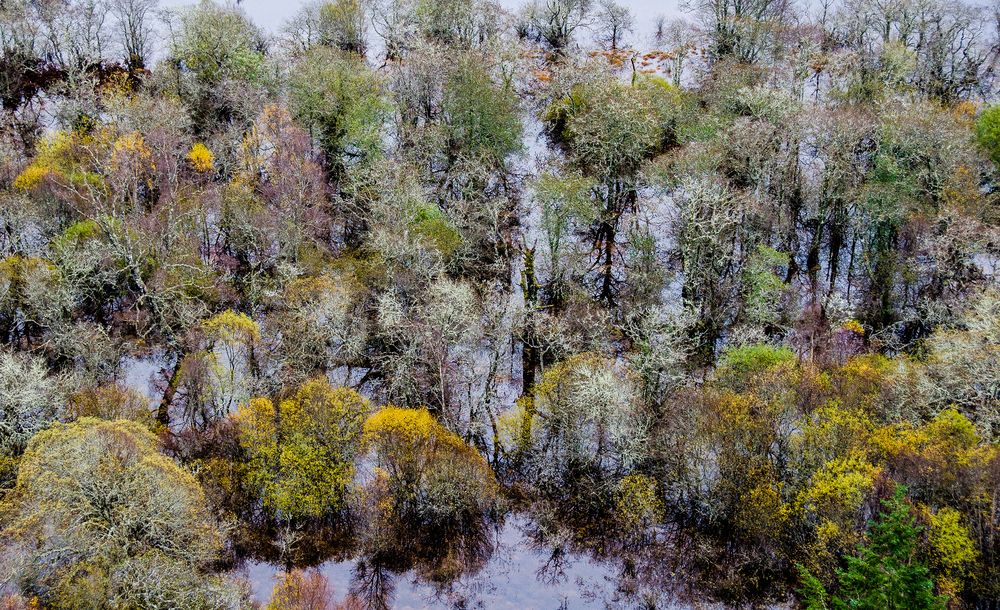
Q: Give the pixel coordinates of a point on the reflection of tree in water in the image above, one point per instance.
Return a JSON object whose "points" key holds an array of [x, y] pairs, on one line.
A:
{"points": [[438, 556], [373, 584], [648, 566]]}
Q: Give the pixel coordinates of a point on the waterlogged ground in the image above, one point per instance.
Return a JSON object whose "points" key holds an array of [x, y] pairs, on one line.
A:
{"points": [[519, 574]]}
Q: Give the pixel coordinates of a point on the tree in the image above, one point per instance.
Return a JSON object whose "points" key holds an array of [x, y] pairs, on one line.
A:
{"points": [[567, 209], [225, 55], [962, 369], [988, 131], [30, 399], [743, 31], [582, 420], [610, 130], [322, 325], [554, 22], [301, 451], [343, 25], [481, 117], [135, 30], [340, 101], [428, 475], [100, 518], [614, 22], [886, 573]]}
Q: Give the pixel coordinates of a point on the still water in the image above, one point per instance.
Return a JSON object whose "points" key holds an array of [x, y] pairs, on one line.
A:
{"points": [[518, 575]]}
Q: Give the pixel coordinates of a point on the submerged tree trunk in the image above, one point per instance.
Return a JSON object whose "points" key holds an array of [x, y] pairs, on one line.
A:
{"points": [[530, 357], [163, 412]]}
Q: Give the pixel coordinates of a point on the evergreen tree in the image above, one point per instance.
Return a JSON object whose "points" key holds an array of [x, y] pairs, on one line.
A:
{"points": [[886, 574]]}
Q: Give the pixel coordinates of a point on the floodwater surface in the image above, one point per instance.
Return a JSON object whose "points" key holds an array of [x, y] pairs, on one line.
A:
{"points": [[519, 574]]}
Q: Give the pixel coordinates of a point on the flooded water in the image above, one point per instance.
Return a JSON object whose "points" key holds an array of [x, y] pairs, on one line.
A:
{"points": [[518, 575]]}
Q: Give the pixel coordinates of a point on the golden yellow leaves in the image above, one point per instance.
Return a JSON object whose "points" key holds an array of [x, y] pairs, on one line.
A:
{"points": [[408, 427], [31, 177], [840, 486], [423, 467], [232, 328], [130, 153], [302, 450], [853, 326], [51, 157], [201, 158], [953, 551], [638, 502]]}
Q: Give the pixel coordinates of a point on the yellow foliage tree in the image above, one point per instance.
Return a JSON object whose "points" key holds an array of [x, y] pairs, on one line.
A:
{"points": [[201, 158], [431, 473], [953, 551], [301, 451]]}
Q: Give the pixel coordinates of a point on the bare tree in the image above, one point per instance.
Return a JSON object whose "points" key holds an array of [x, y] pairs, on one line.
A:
{"points": [[740, 29], [135, 29], [553, 22], [680, 40], [613, 23]]}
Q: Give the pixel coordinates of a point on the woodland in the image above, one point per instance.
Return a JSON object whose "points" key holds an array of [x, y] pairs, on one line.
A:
{"points": [[711, 301]]}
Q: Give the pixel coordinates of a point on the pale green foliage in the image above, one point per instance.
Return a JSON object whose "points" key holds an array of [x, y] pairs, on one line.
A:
{"points": [[611, 127], [585, 415], [764, 103], [415, 239], [567, 205], [97, 512], [661, 352], [458, 23], [323, 325], [706, 226], [342, 24], [963, 367], [438, 334], [30, 399], [232, 338], [340, 100], [763, 287], [219, 43], [32, 289], [741, 363], [988, 131], [481, 117], [554, 22]]}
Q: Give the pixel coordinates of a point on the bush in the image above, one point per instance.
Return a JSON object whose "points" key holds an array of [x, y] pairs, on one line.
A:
{"points": [[988, 131]]}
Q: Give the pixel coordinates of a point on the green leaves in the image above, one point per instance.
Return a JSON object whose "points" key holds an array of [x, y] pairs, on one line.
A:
{"points": [[340, 100], [481, 117], [886, 573], [988, 131]]}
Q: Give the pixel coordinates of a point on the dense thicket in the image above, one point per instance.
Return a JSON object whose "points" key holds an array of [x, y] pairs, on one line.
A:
{"points": [[720, 306]]}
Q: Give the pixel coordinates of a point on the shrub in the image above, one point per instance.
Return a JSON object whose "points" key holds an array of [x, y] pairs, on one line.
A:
{"points": [[988, 131]]}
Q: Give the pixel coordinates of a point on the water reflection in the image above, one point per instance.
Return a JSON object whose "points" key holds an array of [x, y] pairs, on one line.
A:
{"points": [[521, 569]]}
